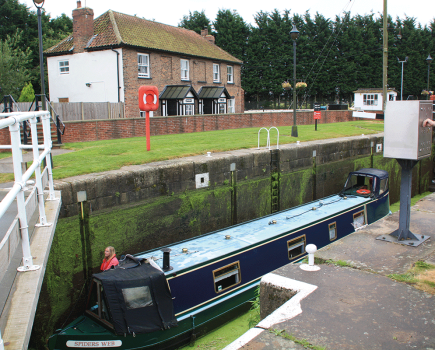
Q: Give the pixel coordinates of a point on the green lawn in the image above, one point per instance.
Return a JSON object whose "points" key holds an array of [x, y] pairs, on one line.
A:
{"points": [[98, 156]]}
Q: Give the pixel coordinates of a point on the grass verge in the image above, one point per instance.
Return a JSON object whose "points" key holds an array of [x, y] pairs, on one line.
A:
{"points": [[396, 206], [98, 156], [421, 275], [305, 343]]}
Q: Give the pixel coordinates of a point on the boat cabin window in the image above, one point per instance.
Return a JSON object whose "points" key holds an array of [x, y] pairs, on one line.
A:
{"points": [[360, 185], [137, 297], [296, 247], [332, 231], [359, 219], [383, 186], [226, 277]]}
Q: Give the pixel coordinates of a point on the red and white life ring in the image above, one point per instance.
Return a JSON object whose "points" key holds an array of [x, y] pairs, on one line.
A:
{"points": [[363, 191]]}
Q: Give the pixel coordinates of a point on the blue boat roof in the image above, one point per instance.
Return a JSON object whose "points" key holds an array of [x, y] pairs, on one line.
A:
{"points": [[214, 245]]}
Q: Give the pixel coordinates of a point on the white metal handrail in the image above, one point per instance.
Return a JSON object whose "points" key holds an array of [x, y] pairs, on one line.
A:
{"points": [[13, 120], [268, 137]]}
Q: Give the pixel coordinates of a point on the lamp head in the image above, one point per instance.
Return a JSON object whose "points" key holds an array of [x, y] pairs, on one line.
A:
{"points": [[38, 3], [429, 59], [294, 33]]}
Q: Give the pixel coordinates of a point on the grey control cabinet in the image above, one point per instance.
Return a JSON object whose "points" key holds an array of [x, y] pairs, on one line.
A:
{"points": [[404, 135]]}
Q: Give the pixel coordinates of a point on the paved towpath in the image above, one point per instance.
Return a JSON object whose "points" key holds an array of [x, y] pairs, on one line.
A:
{"points": [[359, 307]]}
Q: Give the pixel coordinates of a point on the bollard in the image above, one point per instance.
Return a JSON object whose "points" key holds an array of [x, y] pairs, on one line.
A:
{"points": [[310, 249]]}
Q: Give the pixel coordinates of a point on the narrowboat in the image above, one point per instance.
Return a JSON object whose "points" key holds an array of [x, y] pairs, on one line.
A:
{"points": [[162, 298]]}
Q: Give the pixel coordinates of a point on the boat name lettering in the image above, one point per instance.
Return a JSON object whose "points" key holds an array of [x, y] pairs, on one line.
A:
{"points": [[94, 344]]}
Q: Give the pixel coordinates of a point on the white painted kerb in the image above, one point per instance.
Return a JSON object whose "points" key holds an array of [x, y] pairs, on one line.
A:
{"points": [[285, 312]]}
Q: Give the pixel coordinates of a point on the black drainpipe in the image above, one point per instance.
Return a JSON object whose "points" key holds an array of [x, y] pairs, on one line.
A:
{"points": [[117, 71]]}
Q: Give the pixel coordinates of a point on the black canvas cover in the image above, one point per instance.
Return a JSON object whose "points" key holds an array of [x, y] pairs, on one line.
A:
{"points": [[138, 297]]}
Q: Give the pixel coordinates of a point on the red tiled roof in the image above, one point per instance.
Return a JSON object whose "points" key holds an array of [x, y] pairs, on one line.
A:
{"points": [[114, 29]]}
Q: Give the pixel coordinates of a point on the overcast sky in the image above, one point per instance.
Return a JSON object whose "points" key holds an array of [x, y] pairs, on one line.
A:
{"points": [[172, 11]]}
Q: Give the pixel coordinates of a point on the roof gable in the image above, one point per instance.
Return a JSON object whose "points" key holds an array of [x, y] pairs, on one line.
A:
{"points": [[113, 29]]}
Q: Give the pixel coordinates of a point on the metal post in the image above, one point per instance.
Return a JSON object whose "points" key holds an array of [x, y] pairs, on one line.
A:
{"points": [[59, 135], [42, 217], [385, 58], [17, 158], [48, 145], [41, 57], [294, 127], [403, 235]]}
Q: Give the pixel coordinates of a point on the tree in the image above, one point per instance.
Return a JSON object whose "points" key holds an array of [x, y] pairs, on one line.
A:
{"points": [[231, 33], [27, 94], [13, 65], [196, 22], [15, 16]]}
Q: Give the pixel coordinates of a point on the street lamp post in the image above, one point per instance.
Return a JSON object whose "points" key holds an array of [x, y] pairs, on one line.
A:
{"points": [[401, 84], [294, 35], [428, 60], [39, 4]]}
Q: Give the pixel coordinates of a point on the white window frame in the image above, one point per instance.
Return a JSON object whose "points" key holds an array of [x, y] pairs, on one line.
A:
{"points": [[230, 74], [189, 109], [64, 67], [370, 99], [184, 67], [231, 105], [145, 65], [216, 77]]}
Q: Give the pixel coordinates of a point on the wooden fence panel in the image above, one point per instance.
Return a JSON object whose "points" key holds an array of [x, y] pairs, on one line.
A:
{"points": [[73, 111]]}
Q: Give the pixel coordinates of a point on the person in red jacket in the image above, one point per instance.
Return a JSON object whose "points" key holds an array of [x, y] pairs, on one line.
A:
{"points": [[109, 259]]}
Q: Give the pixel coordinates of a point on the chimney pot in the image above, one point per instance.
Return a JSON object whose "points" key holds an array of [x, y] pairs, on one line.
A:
{"points": [[79, 4]]}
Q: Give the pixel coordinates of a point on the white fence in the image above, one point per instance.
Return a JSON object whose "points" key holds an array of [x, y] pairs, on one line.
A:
{"points": [[18, 230]]}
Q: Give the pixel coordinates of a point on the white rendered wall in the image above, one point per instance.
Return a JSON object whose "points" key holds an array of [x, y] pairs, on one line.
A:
{"points": [[359, 100], [96, 67]]}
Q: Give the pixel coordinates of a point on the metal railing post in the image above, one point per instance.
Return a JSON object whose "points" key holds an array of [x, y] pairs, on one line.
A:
{"points": [[42, 217], [17, 158], [47, 146], [59, 135]]}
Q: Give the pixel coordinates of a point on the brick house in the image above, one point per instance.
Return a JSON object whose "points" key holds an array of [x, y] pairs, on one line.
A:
{"points": [[109, 58]]}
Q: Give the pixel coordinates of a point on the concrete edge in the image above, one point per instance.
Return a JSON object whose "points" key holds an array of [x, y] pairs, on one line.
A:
{"points": [[285, 312], [22, 304]]}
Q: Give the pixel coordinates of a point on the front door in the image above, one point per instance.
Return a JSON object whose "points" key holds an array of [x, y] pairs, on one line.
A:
{"points": [[172, 107], [208, 106]]}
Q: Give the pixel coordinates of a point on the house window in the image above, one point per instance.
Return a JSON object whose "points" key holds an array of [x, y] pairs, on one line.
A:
{"points": [[216, 78], [370, 99], [227, 277], [230, 76], [64, 67], [296, 247], [332, 231], [231, 105], [143, 65], [184, 69]]}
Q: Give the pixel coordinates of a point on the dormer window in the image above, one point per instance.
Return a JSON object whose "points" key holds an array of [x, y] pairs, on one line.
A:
{"points": [[184, 69], [143, 65]]}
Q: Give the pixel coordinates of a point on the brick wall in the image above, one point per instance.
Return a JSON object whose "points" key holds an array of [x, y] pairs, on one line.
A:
{"points": [[83, 27], [5, 138], [108, 129], [165, 69]]}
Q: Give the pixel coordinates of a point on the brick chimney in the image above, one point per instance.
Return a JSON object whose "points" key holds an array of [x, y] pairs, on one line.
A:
{"points": [[204, 33], [83, 26]]}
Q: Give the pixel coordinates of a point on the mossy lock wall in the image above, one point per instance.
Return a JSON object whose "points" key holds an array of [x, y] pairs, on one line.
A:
{"points": [[143, 207]]}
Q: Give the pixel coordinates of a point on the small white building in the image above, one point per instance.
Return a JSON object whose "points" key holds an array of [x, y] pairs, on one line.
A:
{"points": [[371, 99]]}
